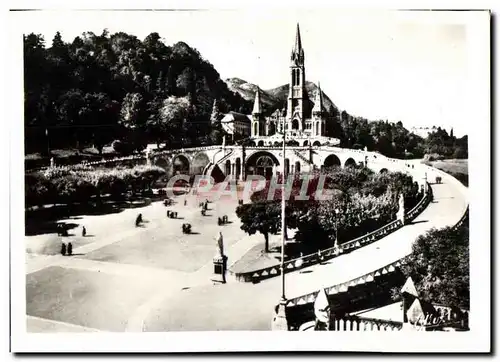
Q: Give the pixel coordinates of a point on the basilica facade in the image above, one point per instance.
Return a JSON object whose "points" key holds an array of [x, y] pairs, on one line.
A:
{"points": [[301, 121]]}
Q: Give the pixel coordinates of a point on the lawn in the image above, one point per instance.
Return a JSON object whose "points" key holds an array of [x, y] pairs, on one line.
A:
{"points": [[458, 168], [256, 258]]}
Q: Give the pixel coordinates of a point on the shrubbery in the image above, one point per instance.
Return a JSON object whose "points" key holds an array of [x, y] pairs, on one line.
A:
{"points": [[78, 184], [439, 266], [365, 201]]}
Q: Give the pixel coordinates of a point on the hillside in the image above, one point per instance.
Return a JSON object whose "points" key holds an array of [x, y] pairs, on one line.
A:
{"points": [[247, 91], [276, 97], [104, 87]]}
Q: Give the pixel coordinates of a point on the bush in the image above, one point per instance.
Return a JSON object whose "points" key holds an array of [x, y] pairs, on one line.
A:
{"points": [[433, 157], [122, 147], [439, 266], [66, 185]]}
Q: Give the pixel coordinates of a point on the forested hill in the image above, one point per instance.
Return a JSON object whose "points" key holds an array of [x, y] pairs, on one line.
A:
{"points": [[99, 88]]}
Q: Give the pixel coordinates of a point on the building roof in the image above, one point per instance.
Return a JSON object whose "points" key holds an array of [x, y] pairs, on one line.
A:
{"points": [[235, 116]]}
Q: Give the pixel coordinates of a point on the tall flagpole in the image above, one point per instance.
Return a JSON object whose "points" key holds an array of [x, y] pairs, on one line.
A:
{"points": [[283, 224], [280, 322]]}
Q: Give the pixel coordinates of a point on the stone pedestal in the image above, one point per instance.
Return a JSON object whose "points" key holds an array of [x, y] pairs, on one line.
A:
{"points": [[280, 323], [220, 266]]}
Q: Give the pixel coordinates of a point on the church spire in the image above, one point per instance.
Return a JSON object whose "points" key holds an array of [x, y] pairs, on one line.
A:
{"points": [[256, 105], [298, 44], [297, 52], [318, 101]]}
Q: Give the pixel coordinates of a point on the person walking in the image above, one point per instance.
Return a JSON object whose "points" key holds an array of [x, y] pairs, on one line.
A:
{"points": [[84, 231]]}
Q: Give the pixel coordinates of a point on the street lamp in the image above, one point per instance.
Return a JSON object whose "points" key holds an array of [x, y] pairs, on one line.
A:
{"points": [[336, 245], [280, 322], [283, 226]]}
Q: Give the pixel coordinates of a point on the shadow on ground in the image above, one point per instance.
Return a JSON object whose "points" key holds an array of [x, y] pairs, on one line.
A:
{"points": [[44, 220]]}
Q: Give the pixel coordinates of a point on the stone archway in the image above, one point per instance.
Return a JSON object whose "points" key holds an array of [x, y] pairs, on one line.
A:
{"points": [[200, 162], [260, 143], [295, 124], [261, 163], [350, 162], [181, 165], [306, 143], [332, 161], [162, 162], [316, 144]]}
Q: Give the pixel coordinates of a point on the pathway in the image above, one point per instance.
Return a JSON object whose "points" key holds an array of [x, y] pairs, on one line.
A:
{"points": [[247, 306], [131, 297]]}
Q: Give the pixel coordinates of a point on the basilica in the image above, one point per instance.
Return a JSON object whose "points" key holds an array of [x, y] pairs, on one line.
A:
{"points": [[302, 122]]}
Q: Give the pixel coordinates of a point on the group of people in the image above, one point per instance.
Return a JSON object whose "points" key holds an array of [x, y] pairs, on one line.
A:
{"points": [[223, 220], [68, 249]]}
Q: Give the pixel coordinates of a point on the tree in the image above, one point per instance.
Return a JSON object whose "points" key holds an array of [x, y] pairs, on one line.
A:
{"points": [[263, 217], [439, 266], [173, 115], [131, 110]]}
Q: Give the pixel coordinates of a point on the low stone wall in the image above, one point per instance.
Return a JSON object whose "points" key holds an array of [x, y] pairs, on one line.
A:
{"points": [[315, 258], [390, 268], [330, 253], [356, 324]]}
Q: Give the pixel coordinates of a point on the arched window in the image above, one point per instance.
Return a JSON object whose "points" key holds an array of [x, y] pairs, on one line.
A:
{"points": [[255, 129], [297, 167], [317, 128]]}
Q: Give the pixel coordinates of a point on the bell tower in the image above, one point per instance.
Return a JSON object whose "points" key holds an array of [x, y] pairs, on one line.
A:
{"points": [[297, 98]]}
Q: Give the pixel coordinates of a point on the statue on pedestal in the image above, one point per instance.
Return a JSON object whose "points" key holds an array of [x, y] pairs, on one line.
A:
{"points": [[220, 259], [52, 162], [401, 209], [148, 159], [220, 244]]}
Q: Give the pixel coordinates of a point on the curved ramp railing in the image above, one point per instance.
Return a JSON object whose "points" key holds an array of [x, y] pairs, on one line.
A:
{"points": [[356, 324], [363, 279], [333, 252]]}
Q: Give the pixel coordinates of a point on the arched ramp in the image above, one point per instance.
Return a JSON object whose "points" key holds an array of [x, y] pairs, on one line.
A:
{"points": [[199, 163], [181, 165], [261, 163], [332, 161], [350, 162]]}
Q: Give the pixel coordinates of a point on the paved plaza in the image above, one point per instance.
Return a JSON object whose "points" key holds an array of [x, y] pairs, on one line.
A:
{"points": [[154, 278]]}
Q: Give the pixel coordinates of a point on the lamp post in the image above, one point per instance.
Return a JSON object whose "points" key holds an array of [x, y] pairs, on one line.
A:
{"points": [[336, 245], [283, 225], [280, 322]]}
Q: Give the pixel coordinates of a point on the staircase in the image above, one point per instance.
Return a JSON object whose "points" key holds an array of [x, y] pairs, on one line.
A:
{"points": [[219, 173], [350, 299], [299, 155]]}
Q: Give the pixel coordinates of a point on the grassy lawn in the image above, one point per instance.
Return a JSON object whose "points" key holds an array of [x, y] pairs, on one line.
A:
{"points": [[458, 168], [452, 166], [256, 258]]}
